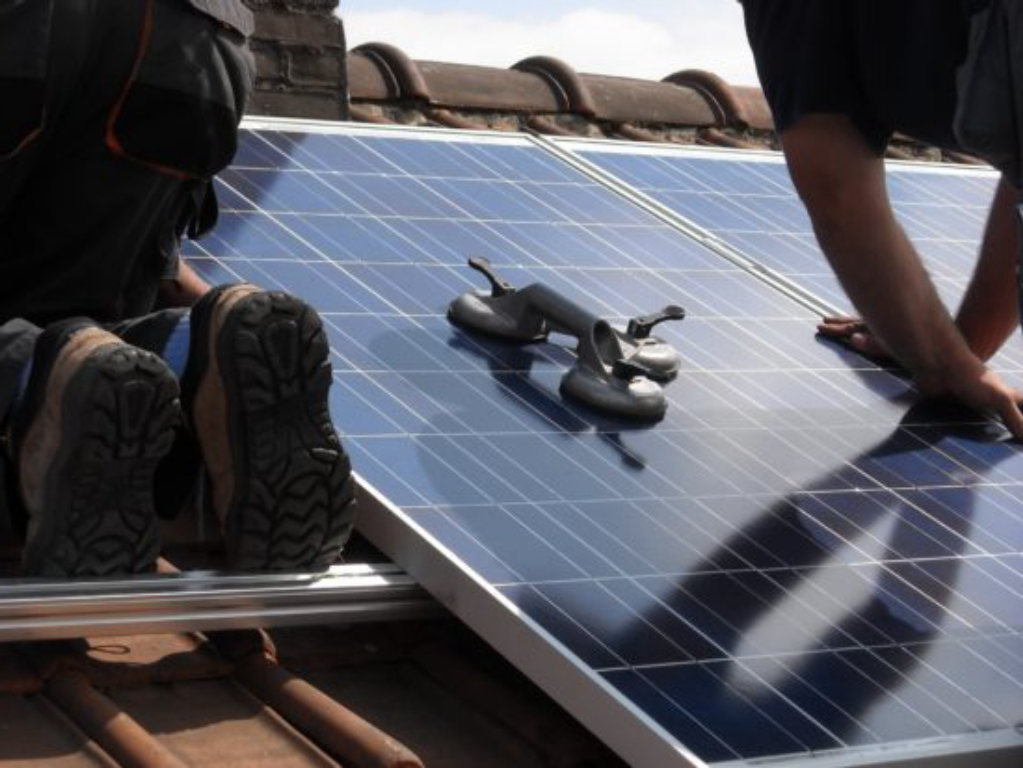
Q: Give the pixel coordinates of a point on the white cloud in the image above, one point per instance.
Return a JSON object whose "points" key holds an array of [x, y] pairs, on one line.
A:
{"points": [[590, 40]]}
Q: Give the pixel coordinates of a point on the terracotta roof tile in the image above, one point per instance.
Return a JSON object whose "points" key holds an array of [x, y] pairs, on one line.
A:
{"points": [[217, 722], [716, 94], [119, 734], [468, 87], [620, 100], [349, 695], [398, 73], [754, 107], [563, 81], [375, 82], [34, 733], [547, 95]]}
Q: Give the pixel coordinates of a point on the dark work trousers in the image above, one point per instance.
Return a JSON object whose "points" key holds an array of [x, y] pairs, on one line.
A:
{"points": [[114, 117]]}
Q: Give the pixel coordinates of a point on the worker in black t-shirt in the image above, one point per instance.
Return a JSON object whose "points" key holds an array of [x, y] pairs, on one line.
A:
{"points": [[114, 118], [841, 78]]}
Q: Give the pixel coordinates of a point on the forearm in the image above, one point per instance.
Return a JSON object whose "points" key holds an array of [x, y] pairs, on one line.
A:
{"points": [[989, 312], [883, 276], [889, 285], [841, 181]]}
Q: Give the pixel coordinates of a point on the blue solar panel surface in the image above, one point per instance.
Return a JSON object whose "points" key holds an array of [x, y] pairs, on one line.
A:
{"points": [[748, 201], [791, 562]]}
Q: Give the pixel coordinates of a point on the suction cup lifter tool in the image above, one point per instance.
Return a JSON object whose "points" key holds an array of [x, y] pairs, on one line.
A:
{"points": [[615, 371]]}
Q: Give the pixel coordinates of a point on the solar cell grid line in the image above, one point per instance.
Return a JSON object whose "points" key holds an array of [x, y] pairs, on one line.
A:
{"points": [[745, 199], [788, 566]]}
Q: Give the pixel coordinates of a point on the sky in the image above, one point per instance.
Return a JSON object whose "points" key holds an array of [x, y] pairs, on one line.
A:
{"points": [[648, 39]]}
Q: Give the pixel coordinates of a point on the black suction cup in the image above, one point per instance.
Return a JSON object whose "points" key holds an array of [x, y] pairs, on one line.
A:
{"points": [[633, 398]]}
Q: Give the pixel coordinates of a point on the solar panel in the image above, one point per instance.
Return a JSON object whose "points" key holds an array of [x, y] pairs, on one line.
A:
{"points": [[747, 201], [788, 566]]}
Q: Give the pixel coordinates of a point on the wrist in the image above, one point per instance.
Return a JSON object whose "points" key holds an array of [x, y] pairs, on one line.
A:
{"points": [[944, 377]]}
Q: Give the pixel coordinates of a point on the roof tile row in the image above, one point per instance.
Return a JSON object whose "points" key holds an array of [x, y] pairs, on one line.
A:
{"points": [[381, 75], [546, 95]]}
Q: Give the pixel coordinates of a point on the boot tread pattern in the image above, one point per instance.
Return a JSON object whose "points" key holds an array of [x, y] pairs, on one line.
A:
{"points": [[293, 503], [121, 421]]}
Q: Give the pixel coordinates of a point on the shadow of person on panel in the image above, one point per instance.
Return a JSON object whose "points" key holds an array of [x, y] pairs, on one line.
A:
{"points": [[901, 604]]}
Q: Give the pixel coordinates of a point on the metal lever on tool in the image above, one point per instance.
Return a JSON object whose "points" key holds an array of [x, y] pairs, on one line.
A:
{"points": [[657, 356], [498, 286], [640, 327], [610, 373]]}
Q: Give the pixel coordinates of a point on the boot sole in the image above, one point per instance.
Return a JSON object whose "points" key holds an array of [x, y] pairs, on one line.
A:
{"points": [[292, 505], [119, 415]]}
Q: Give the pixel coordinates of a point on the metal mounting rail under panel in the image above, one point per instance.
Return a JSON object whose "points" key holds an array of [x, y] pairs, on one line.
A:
{"points": [[207, 600]]}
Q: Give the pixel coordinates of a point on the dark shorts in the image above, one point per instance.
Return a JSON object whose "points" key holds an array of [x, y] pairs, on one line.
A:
{"points": [[115, 115], [889, 65]]}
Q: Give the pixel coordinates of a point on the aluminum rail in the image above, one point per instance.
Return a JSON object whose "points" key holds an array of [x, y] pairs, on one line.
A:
{"points": [[34, 609]]}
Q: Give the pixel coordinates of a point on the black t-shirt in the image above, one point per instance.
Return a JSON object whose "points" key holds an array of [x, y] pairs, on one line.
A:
{"points": [[889, 66]]}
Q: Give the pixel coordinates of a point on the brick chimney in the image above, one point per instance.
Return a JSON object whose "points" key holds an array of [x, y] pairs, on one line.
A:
{"points": [[299, 47]]}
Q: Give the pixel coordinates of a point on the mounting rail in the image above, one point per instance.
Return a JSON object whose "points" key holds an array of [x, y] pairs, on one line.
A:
{"points": [[33, 609]]}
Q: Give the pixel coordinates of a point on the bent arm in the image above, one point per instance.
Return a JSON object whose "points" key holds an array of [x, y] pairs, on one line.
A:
{"points": [[842, 183], [989, 312]]}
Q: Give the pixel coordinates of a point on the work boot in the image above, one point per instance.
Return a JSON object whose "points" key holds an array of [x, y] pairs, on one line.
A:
{"points": [[97, 417], [256, 390]]}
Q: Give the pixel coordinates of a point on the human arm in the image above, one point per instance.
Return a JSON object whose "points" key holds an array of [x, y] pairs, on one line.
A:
{"points": [[989, 311], [842, 183]]}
